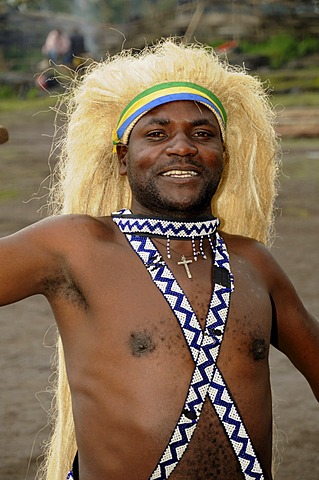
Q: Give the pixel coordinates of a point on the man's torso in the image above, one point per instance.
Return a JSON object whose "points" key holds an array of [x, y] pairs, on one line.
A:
{"points": [[129, 367]]}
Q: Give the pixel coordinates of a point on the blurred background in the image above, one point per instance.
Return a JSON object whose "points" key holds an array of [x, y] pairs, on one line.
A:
{"points": [[276, 40], [263, 34]]}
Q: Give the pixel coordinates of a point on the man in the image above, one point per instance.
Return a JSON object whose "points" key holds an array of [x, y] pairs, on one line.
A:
{"points": [[165, 317]]}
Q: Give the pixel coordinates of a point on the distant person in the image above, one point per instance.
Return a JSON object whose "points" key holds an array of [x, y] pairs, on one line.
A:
{"points": [[77, 48], [57, 46]]}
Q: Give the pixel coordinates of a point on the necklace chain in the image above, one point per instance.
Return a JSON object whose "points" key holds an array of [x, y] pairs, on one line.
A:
{"points": [[185, 260]]}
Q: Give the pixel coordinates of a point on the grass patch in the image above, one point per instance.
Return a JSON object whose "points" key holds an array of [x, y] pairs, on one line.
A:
{"points": [[8, 194], [293, 87], [296, 100], [292, 80], [302, 144], [17, 104]]}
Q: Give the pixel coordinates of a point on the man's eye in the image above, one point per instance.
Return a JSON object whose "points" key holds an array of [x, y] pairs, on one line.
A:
{"points": [[155, 134], [203, 134]]}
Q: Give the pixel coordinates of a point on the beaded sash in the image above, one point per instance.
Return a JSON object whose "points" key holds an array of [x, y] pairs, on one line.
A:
{"points": [[204, 346]]}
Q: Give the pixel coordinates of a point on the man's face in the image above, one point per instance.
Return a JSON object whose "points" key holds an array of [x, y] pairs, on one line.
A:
{"points": [[174, 160]]}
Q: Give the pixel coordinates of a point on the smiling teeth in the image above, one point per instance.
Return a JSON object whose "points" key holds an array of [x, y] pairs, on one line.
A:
{"points": [[180, 174]]}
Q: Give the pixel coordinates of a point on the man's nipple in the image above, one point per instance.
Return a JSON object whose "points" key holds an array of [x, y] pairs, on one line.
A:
{"points": [[141, 343]]}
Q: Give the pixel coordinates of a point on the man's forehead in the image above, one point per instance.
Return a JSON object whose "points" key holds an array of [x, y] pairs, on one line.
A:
{"points": [[187, 110]]}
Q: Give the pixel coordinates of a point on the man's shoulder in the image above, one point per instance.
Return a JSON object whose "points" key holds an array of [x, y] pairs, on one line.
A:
{"points": [[247, 248], [74, 227], [255, 254], [242, 244]]}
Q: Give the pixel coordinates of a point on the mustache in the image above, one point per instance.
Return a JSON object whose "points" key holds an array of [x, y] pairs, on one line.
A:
{"points": [[187, 160]]}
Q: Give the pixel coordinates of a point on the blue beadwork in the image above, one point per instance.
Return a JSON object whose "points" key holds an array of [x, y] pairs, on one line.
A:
{"points": [[204, 348], [181, 229]]}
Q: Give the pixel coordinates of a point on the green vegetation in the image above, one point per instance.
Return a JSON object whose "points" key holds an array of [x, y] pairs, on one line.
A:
{"points": [[296, 85], [296, 100], [298, 80], [13, 103], [8, 195], [10, 92], [281, 48], [293, 87], [19, 59]]}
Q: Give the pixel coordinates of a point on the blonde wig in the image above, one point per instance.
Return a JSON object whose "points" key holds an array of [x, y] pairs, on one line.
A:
{"points": [[86, 179]]}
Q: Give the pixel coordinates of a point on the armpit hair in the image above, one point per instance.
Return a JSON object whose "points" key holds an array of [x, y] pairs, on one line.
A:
{"points": [[62, 286]]}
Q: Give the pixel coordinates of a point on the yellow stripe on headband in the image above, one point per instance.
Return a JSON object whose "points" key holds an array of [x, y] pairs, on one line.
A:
{"points": [[165, 93]]}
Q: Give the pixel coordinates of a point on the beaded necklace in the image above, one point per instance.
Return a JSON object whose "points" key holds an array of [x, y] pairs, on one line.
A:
{"points": [[171, 229]]}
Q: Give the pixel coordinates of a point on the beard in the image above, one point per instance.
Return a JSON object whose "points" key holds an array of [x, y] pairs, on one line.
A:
{"points": [[149, 194]]}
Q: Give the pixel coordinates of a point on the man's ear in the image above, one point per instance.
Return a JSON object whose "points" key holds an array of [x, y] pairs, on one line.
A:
{"points": [[122, 152]]}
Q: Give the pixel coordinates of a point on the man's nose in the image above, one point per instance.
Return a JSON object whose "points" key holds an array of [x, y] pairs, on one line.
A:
{"points": [[181, 145]]}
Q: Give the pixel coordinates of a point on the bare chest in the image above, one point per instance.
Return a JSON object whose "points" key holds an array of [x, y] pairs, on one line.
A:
{"points": [[134, 352], [132, 316]]}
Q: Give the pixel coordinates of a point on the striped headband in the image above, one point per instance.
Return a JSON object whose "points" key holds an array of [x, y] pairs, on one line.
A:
{"points": [[165, 93]]}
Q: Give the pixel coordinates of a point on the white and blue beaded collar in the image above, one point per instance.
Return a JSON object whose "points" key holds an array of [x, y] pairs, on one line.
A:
{"points": [[169, 228], [175, 229]]}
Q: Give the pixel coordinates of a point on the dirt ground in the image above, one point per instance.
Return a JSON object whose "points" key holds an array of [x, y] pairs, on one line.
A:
{"points": [[27, 328]]}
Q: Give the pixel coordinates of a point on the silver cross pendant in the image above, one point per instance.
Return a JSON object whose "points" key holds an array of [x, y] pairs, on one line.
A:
{"points": [[185, 263]]}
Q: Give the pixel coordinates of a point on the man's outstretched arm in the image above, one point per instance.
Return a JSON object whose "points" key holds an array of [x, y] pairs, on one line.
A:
{"points": [[27, 258], [297, 329]]}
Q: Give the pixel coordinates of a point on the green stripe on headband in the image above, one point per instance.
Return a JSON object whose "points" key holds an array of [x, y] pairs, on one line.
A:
{"points": [[165, 93]]}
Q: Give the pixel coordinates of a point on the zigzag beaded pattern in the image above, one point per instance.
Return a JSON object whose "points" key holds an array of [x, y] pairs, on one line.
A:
{"points": [[234, 427], [161, 227], [204, 350]]}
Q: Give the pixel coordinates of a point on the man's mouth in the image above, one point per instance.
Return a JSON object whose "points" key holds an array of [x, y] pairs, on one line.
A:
{"points": [[180, 173]]}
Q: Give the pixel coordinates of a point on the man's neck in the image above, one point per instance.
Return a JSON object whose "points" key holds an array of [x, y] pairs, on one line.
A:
{"points": [[193, 215]]}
